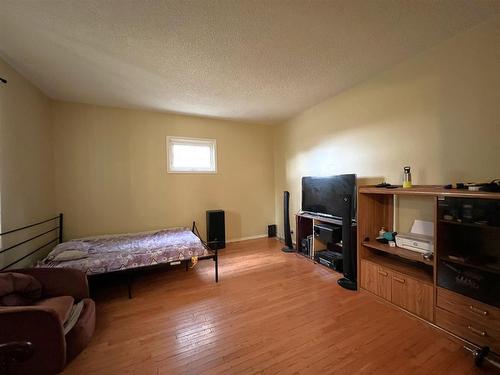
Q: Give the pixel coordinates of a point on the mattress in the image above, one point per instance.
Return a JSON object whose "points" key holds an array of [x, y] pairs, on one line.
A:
{"points": [[110, 253]]}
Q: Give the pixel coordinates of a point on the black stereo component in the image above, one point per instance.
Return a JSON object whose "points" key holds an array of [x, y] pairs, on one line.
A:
{"points": [[216, 229], [328, 233], [330, 259], [271, 230]]}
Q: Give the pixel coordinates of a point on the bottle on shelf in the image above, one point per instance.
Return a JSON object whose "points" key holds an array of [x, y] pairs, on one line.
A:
{"points": [[407, 177]]}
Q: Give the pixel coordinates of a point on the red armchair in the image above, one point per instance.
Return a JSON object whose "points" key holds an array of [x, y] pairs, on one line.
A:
{"points": [[42, 323]]}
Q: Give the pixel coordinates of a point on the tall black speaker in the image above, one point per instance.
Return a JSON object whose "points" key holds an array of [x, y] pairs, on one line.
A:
{"points": [[348, 247], [216, 229], [286, 225]]}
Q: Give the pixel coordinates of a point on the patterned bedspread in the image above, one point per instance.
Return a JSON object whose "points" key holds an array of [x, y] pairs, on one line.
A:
{"points": [[110, 253]]}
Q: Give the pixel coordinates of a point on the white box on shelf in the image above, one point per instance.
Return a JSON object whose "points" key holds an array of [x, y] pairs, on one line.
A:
{"points": [[420, 238]]}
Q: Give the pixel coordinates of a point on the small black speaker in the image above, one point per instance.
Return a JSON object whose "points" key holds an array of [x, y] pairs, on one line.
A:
{"points": [[271, 230], [216, 229]]}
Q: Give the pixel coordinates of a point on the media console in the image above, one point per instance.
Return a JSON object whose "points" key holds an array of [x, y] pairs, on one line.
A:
{"points": [[329, 241]]}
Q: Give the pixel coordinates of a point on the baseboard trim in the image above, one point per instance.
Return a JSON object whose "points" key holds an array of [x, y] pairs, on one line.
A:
{"points": [[247, 238]]}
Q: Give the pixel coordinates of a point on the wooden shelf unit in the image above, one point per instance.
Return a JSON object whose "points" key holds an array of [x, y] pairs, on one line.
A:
{"points": [[403, 253], [405, 279], [429, 191]]}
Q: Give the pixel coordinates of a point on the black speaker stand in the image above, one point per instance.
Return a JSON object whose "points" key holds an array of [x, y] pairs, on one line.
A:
{"points": [[286, 225], [347, 284]]}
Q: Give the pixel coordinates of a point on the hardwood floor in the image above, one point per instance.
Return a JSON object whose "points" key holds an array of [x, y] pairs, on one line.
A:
{"points": [[270, 313]]}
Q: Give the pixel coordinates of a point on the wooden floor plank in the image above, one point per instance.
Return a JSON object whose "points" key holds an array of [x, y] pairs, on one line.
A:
{"points": [[271, 313]]}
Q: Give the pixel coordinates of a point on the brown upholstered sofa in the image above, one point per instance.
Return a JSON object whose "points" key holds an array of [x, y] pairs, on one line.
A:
{"points": [[41, 323]]}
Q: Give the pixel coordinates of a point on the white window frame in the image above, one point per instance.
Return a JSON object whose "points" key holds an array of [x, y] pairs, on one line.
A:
{"points": [[191, 141]]}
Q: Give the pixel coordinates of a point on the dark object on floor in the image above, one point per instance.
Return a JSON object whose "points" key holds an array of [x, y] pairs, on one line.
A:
{"points": [[42, 323], [271, 230], [286, 225], [347, 283], [216, 229], [482, 356]]}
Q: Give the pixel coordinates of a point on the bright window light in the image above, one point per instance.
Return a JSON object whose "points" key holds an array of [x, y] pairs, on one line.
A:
{"points": [[191, 155]]}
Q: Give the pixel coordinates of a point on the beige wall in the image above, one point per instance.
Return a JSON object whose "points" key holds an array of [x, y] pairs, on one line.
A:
{"points": [[110, 168], [26, 171], [438, 112]]}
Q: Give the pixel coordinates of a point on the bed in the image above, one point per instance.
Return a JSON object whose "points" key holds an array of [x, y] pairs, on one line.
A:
{"points": [[124, 253]]}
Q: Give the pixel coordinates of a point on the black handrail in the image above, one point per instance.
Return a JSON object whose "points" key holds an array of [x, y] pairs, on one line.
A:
{"points": [[31, 225]]}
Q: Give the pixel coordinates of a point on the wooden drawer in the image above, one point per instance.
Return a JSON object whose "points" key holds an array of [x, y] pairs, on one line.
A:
{"points": [[471, 330], [481, 313], [412, 295]]}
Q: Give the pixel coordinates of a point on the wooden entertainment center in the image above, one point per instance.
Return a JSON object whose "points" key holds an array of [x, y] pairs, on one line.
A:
{"points": [[423, 287]]}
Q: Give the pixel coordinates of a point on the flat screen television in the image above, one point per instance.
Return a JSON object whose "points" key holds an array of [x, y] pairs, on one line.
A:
{"points": [[325, 195]]}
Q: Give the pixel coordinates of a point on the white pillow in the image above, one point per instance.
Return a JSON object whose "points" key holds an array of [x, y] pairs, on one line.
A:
{"points": [[70, 255]]}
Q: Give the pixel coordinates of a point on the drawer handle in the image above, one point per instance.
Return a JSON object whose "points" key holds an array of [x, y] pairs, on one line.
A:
{"points": [[478, 311], [383, 273], [402, 281], [477, 331]]}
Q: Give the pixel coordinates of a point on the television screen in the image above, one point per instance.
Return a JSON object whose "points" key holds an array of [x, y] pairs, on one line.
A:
{"points": [[325, 195]]}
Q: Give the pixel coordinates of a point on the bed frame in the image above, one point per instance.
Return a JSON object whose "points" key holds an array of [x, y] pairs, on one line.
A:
{"points": [[56, 230], [129, 273]]}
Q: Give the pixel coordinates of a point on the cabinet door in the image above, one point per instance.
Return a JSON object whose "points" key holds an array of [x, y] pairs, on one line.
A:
{"points": [[412, 295], [368, 275], [420, 300], [384, 283], [399, 286]]}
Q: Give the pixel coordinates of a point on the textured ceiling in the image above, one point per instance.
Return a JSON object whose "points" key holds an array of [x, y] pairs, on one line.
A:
{"points": [[262, 60]]}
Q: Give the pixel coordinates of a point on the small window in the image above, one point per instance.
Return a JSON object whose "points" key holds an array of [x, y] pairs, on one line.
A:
{"points": [[191, 155]]}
